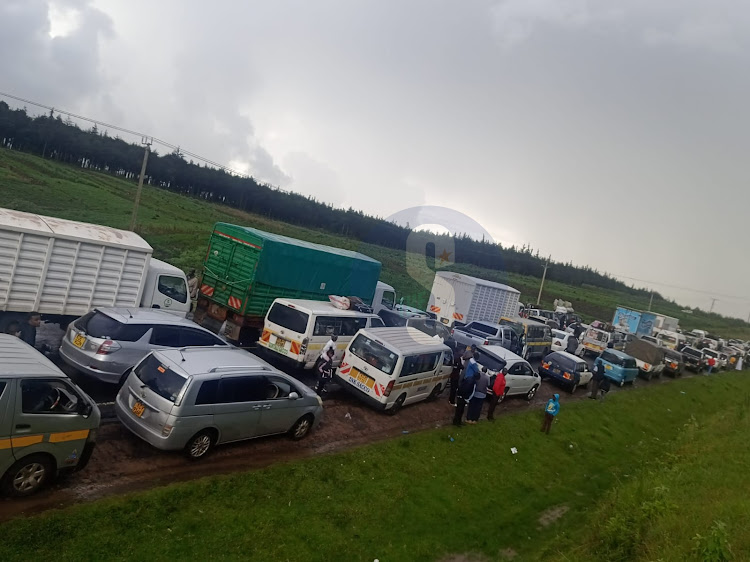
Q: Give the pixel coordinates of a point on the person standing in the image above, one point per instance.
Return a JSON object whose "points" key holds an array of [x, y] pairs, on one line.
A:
{"points": [[455, 377], [480, 395], [28, 328], [324, 372], [711, 364], [465, 394], [550, 412], [572, 345], [498, 390], [330, 345], [596, 380], [738, 366]]}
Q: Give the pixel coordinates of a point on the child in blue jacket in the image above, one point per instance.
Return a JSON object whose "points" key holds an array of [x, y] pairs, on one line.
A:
{"points": [[550, 411]]}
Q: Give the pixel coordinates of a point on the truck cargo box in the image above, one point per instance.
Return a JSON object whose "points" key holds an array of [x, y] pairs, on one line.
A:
{"points": [[245, 269]]}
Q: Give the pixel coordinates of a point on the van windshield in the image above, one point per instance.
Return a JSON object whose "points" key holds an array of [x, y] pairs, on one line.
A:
{"points": [[289, 318], [597, 335], [373, 353], [160, 378]]}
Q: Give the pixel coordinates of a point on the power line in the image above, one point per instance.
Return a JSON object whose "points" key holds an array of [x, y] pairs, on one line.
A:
{"points": [[710, 293], [131, 132]]}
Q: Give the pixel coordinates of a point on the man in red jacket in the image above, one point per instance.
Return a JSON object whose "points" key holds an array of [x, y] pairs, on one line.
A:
{"points": [[498, 389]]}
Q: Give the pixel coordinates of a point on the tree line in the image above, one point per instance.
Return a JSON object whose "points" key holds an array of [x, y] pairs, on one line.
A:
{"points": [[63, 140]]}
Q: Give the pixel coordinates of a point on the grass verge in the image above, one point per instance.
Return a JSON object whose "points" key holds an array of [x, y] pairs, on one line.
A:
{"points": [[614, 480]]}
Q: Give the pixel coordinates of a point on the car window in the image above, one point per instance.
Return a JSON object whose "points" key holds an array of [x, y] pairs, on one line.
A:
{"points": [[173, 287], [373, 353], [288, 318], [192, 337], [415, 364], [160, 378], [392, 319], [610, 358], [207, 392], [242, 389], [167, 336], [526, 369], [376, 323], [516, 369], [51, 396], [278, 388], [484, 328]]}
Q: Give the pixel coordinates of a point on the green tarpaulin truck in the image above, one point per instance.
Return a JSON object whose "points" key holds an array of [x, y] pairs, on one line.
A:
{"points": [[245, 269]]}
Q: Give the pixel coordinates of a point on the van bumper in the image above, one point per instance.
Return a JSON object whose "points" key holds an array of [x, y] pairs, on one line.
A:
{"points": [[279, 358], [369, 400]]}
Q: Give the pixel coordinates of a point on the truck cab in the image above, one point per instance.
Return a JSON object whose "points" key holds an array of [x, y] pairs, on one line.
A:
{"points": [[165, 288]]}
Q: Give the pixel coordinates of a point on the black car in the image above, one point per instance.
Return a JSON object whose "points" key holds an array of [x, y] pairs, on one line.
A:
{"points": [[693, 359], [674, 362]]}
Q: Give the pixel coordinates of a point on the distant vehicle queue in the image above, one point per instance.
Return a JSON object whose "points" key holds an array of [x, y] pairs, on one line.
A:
{"points": [[186, 385]]}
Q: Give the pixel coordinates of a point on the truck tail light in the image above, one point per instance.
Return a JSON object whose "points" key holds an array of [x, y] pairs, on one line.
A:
{"points": [[387, 391], [303, 347], [107, 347]]}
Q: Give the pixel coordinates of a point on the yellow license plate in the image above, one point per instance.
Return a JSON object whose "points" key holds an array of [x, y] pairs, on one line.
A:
{"points": [[79, 340], [364, 379], [281, 342], [138, 409]]}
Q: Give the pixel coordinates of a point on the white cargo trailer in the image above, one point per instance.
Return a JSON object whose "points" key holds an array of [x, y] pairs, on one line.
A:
{"points": [[458, 298], [63, 269]]}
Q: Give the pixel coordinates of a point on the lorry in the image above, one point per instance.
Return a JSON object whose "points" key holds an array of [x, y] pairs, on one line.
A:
{"points": [[63, 269], [458, 299], [666, 323], [634, 322], [246, 269]]}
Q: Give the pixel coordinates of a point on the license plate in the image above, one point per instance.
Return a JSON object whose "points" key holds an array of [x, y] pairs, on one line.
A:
{"points": [[556, 371], [281, 342], [138, 409], [364, 379], [79, 340]]}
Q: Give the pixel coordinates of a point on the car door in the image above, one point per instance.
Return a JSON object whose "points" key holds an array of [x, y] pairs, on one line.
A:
{"points": [[164, 336], [279, 412], [240, 404], [47, 418], [514, 378], [414, 372]]}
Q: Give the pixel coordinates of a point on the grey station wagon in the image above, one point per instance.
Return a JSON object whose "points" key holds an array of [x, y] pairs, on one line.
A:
{"points": [[195, 398], [107, 342]]}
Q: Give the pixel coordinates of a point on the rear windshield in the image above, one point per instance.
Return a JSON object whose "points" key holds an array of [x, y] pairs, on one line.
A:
{"points": [[160, 378], [98, 325], [628, 363], [288, 318], [597, 335], [690, 351], [373, 353], [564, 362], [490, 361], [710, 353], [483, 328], [557, 334]]}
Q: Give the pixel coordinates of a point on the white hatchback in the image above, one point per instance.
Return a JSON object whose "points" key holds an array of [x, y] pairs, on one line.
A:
{"points": [[520, 378], [560, 340]]}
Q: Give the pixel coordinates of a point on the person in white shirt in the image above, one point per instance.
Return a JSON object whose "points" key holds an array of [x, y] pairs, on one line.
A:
{"points": [[331, 344]]}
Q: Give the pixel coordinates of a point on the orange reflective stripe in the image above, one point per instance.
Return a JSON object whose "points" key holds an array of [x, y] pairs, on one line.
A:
{"points": [[266, 335], [4, 444], [68, 436], [295, 348], [26, 440]]}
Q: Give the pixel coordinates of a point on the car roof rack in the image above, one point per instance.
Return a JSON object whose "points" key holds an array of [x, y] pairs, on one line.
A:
{"points": [[238, 367]]}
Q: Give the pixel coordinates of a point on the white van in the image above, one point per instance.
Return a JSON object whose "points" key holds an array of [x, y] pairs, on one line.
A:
{"points": [[297, 329], [389, 367]]}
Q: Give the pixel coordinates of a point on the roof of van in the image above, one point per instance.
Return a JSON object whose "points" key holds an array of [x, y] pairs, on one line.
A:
{"points": [[202, 360], [450, 275], [405, 339], [19, 358], [322, 307], [81, 231]]}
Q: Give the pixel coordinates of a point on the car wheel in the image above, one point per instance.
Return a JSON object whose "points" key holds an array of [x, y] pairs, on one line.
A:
{"points": [[397, 405], [435, 393], [200, 444], [301, 428], [531, 393], [28, 476]]}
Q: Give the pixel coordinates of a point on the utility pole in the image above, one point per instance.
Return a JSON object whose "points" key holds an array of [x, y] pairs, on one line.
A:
{"points": [[651, 300], [713, 301], [544, 276], [147, 143]]}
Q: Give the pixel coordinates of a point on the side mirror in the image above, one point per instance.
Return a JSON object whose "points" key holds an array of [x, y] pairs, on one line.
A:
{"points": [[293, 396], [85, 409]]}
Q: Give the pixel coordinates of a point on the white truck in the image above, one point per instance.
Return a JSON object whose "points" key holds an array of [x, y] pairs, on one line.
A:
{"points": [[458, 299], [63, 269]]}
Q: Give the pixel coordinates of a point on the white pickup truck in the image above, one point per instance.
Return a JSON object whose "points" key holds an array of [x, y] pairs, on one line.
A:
{"points": [[486, 333], [63, 269]]}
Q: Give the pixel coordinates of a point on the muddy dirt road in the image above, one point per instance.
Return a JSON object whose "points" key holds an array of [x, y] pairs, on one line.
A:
{"points": [[123, 463]]}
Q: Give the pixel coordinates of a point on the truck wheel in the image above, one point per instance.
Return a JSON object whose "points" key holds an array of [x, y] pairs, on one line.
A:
{"points": [[28, 475], [397, 405]]}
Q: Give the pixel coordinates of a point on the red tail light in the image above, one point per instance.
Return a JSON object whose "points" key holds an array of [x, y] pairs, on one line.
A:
{"points": [[566, 375], [387, 391], [545, 365], [486, 342], [108, 347]]}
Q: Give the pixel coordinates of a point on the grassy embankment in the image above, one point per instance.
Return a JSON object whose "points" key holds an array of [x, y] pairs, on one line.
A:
{"points": [[178, 228], [657, 473]]}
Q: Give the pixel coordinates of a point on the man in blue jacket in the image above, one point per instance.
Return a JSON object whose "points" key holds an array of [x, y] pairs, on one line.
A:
{"points": [[550, 411]]}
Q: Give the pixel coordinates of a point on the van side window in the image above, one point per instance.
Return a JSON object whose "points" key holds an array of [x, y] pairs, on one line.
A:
{"points": [[48, 397], [277, 388], [242, 389], [167, 336], [415, 364], [376, 323], [207, 392]]}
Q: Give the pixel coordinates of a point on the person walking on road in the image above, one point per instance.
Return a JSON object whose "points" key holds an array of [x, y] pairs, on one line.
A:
{"points": [[498, 390], [324, 372], [480, 395], [711, 365], [550, 412], [455, 377]]}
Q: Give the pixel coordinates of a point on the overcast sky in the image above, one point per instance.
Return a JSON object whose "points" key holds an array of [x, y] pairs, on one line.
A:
{"points": [[613, 134]]}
